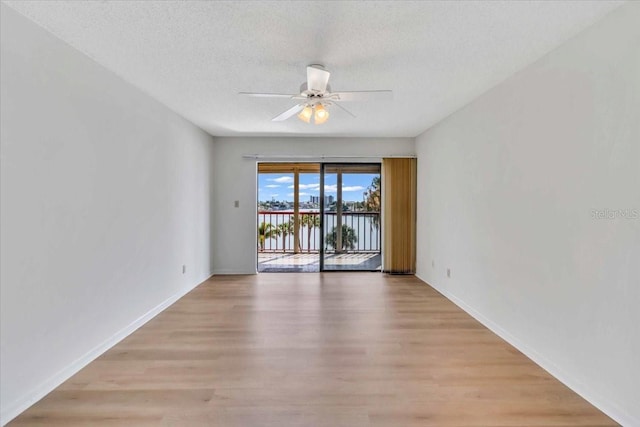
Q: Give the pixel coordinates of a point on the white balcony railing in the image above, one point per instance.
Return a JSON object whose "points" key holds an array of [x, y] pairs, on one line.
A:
{"points": [[276, 231]]}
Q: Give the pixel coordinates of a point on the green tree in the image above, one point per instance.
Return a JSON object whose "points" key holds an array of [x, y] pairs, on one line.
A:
{"points": [[284, 230], [266, 231], [310, 221], [372, 201], [349, 238]]}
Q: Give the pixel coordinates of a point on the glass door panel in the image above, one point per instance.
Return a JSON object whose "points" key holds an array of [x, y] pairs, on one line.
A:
{"points": [[288, 217], [351, 217]]}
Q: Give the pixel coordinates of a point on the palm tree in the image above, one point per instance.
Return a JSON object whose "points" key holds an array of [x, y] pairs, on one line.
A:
{"points": [[266, 231], [349, 238], [285, 229], [310, 221]]}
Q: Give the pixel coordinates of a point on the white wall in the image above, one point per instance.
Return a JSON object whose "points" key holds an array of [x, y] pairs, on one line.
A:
{"points": [[235, 179], [506, 190], [105, 195]]}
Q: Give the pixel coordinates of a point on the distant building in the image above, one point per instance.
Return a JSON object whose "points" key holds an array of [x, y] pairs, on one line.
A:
{"points": [[327, 200]]}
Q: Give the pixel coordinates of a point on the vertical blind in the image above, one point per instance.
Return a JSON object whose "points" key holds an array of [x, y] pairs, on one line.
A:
{"points": [[399, 202]]}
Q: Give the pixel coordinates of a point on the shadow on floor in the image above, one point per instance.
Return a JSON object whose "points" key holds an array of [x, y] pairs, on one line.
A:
{"points": [[310, 262]]}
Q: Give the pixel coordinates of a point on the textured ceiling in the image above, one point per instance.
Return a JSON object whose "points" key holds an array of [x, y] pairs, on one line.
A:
{"points": [[195, 56]]}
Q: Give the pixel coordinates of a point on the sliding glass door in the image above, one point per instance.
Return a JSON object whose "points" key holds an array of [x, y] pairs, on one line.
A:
{"points": [[318, 217]]}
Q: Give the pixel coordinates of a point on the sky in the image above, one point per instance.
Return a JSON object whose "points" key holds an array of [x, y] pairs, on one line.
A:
{"points": [[279, 186]]}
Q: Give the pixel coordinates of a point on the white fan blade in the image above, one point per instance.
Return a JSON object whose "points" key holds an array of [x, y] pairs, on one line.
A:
{"points": [[363, 95], [267, 95], [317, 79], [337, 104], [290, 112]]}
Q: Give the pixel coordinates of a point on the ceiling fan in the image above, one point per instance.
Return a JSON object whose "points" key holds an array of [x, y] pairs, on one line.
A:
{"points": [[315, 96]]}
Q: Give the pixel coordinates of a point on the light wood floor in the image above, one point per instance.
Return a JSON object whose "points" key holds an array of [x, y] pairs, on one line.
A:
{"points": [[333, 349]]}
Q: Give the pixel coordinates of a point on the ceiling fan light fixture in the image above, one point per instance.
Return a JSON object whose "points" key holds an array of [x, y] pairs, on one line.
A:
{"points": [[305, 114], [316, 94], [321, 114]]}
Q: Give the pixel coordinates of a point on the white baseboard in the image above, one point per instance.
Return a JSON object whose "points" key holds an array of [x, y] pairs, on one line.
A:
{"points": [[232, 272], [21, 404], [609, 408]]}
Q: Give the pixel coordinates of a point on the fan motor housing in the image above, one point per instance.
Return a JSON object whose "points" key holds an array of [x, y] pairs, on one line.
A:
{"points": [[304, 90]]}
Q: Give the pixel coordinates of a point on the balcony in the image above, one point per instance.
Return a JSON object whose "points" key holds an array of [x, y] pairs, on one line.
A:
{"points": [[279, 250]]}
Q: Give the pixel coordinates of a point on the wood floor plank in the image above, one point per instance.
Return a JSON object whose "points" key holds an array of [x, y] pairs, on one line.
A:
{"points": [[332, 349]]}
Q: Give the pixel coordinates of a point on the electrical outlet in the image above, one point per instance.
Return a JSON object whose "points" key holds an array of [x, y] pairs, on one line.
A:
{"points": [[449, 273], [184, 269], [236, 204], [433, 263]]}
